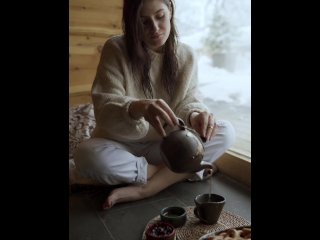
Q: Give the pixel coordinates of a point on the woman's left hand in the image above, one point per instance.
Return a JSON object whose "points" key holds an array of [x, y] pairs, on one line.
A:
{"points": [[204, 123]]}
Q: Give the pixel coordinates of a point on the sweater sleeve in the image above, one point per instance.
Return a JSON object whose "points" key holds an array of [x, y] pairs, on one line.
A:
{"points": [[190, 101], [110, 100]]}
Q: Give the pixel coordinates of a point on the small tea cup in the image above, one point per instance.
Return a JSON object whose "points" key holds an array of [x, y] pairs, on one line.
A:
{"points": [[177, 216]]}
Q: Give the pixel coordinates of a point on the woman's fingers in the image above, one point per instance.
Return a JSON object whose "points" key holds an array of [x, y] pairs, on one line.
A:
{"points": [[157, 113], [204, 124], [214, 132], [169, 113], [201, 123], [211, 128], [158, 126]]}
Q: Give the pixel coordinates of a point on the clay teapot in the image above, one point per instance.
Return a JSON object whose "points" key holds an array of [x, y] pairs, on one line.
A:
{"points": [[182, 150]]}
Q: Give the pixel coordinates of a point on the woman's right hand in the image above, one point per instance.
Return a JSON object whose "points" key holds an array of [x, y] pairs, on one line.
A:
{"points": [[155, 111]]}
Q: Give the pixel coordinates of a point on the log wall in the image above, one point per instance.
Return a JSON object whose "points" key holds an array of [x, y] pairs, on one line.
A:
{"points": [[91, 23]]}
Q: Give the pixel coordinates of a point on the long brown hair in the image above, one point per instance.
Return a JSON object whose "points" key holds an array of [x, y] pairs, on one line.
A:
{"points": [[138, 53]]}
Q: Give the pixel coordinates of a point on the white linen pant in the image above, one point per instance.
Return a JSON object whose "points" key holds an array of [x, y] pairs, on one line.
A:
{"points": [[111, 162]]}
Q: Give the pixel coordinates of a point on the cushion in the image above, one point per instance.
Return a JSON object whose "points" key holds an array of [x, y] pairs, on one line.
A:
{"points": [[81, 124]]}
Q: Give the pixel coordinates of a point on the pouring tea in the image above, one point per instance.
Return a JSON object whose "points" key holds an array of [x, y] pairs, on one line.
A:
{"points": [[182, 150]]}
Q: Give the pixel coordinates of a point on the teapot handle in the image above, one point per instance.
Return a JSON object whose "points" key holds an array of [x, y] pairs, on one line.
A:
{"points": [[182, 125]]}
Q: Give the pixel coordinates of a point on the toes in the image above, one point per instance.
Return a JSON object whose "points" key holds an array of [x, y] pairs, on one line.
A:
{"points": [[107, 205]]}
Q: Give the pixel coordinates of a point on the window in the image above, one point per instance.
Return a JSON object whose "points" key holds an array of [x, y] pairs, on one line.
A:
{"points": [[220, 33]]}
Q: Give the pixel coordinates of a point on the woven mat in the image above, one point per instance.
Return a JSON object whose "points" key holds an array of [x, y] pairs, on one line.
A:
{"points": [[194, 229]]}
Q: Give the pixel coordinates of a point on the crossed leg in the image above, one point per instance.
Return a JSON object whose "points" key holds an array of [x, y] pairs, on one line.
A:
{"points": [[160, 180]]}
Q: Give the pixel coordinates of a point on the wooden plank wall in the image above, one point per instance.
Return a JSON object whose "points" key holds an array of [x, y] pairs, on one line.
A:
{"points": [[91, 23]]}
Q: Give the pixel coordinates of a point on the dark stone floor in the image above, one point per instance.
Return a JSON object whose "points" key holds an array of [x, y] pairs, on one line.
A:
{"points": [[127, 221]]}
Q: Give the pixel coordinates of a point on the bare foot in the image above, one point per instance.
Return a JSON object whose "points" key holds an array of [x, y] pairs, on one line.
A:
{"points": [[123, 194], [159, 181]]}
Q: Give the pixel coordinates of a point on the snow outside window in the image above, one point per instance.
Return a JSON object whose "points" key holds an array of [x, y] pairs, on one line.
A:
{"points": [[220, 33]]}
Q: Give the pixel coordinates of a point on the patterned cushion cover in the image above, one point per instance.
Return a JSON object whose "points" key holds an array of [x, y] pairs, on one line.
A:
{"points": [[81, 125]]}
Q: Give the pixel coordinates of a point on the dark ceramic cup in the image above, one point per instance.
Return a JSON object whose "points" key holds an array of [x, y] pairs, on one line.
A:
{"points": [[176, 216], [209, 207]]}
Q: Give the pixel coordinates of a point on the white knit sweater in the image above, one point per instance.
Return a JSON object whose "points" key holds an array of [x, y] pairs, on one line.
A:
{"points": [[114, 88]]}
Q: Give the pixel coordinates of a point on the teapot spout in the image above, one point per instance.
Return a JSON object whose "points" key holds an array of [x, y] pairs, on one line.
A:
{"points": [[204, 165]]}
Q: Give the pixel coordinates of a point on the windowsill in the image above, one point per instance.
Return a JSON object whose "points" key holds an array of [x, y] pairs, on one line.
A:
{"points": [[236, 166]]}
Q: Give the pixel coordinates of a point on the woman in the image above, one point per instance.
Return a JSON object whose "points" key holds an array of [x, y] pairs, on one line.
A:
{"points": [[145, 79]]}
